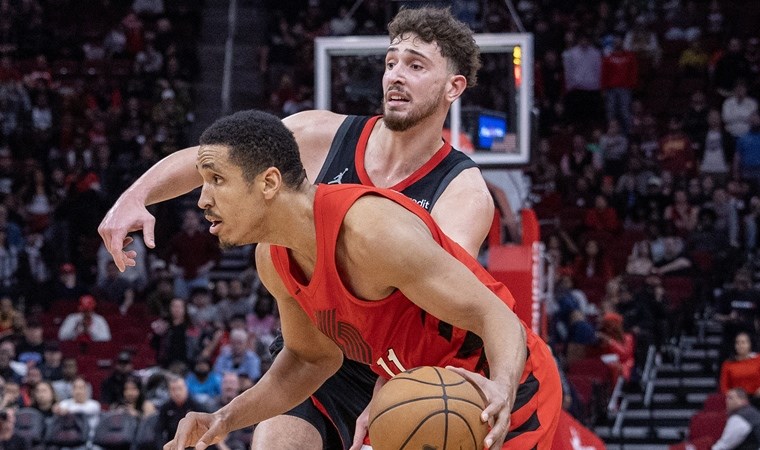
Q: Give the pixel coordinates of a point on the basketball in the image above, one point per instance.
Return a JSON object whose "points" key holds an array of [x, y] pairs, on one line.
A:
{"points": [[427, 408]]}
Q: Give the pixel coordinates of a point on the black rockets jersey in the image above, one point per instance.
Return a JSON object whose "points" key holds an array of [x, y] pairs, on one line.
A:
{"points": [[345, 164]]}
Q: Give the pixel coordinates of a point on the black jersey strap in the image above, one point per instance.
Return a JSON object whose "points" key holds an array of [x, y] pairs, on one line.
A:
{"points": [[336, 146], [450, 175]]}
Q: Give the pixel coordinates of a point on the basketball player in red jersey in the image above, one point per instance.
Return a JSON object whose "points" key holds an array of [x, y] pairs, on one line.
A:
{"points": [[403, 150], [363, 274]]}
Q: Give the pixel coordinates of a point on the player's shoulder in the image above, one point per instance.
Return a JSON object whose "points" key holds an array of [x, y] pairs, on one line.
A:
{"points": [[314, 122]]}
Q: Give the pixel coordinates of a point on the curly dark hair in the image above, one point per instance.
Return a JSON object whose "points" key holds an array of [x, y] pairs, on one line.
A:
{"points": [[257, 141], [436, 25]]}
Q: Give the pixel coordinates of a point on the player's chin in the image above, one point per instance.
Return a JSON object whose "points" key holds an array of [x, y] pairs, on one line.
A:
{"points": [[226, 245]]}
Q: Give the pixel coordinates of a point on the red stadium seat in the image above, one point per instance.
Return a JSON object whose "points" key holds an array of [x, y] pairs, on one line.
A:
{"points": [[707, 424]]}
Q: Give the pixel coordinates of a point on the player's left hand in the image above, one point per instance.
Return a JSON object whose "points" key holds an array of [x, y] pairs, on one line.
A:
{"points": [[499, 400]]}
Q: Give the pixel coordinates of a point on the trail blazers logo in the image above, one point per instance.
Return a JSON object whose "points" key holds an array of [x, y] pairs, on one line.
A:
{"points": [[345, 335]]}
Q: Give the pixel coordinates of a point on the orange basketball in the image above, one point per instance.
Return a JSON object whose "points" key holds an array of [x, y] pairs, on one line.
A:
{"points": [[427, 408]]}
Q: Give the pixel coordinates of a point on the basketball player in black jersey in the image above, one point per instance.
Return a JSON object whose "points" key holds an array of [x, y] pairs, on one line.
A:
{"points": [[432, 58]]}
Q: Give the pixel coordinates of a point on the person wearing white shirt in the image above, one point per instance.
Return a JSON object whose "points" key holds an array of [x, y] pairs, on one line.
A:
{"points": [[737, 110], [742, 430], [85, 324], [80, 403]]}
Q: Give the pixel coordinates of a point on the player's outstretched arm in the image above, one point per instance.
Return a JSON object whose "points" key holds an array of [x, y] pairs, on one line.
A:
{"points": [[169, 178], [395, 250]]}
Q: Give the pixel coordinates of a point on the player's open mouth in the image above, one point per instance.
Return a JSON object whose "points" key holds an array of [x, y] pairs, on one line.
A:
{"points": [[214, 228], [396, 100]]}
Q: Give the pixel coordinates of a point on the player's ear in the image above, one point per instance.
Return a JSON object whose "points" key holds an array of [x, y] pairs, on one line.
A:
{"points": [[271, 182], [455, 87]]}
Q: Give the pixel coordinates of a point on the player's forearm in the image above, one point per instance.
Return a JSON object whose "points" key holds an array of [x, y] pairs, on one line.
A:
{"points": [[287, 383], [169, 178], [505, 344]]}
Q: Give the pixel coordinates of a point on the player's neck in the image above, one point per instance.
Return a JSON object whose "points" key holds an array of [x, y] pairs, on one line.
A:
{"points": [[291, 222], [392, 156]]}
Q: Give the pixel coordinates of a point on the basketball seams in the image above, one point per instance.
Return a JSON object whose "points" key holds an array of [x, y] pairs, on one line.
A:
{"points": [[465, 404]]}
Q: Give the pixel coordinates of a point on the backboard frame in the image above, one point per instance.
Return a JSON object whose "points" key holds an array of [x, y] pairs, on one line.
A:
{"points": [[327, 47]]}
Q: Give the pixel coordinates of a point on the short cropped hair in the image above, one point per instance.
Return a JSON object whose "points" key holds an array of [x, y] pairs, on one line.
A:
{"points": [[257, 141], [436, 25]]}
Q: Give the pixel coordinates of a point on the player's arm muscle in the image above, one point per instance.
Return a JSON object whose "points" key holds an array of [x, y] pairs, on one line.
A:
{"points": [[465, 210], [397, 250]]}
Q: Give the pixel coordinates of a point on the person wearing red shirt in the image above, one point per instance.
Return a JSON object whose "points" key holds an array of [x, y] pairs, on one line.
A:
{"points": [[743, 371], [602, 217], [676, 153], [620, 76]]}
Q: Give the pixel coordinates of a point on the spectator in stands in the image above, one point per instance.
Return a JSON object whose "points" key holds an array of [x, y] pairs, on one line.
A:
{"points": [[747, 158], [715, 149], [676, 154], [200, 308], [172, 336], [730, 68], [34, 271], [613, 340], [8, 438], [32, 378], [114, 289], [239, 302], [192, 253], [342, 24], [601, 220], [695, 118], [68, 286], [69, 373], [738, 309], [9, 259], [620, 77], [170, 413], [741, 370], [51, 361], [32, 346], [726, 214], [583, 83], [262, 322], [133, 399], [44, 399], [751, 221], [742, 430], [643, 41], [159, 296], [203, 384], [231, 388], [640, 260], [681, 215], [737, 110], [592, 271], [693, 61], [8, 315], [80, 402], [614, 148], [112, 388], [669, 255], [85, 325], [8, 374], [238, 357]]}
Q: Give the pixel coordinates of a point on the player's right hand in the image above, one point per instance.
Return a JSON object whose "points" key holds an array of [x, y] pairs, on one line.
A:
{"points": [[198, 430], [362, 428], [126, 216]]}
